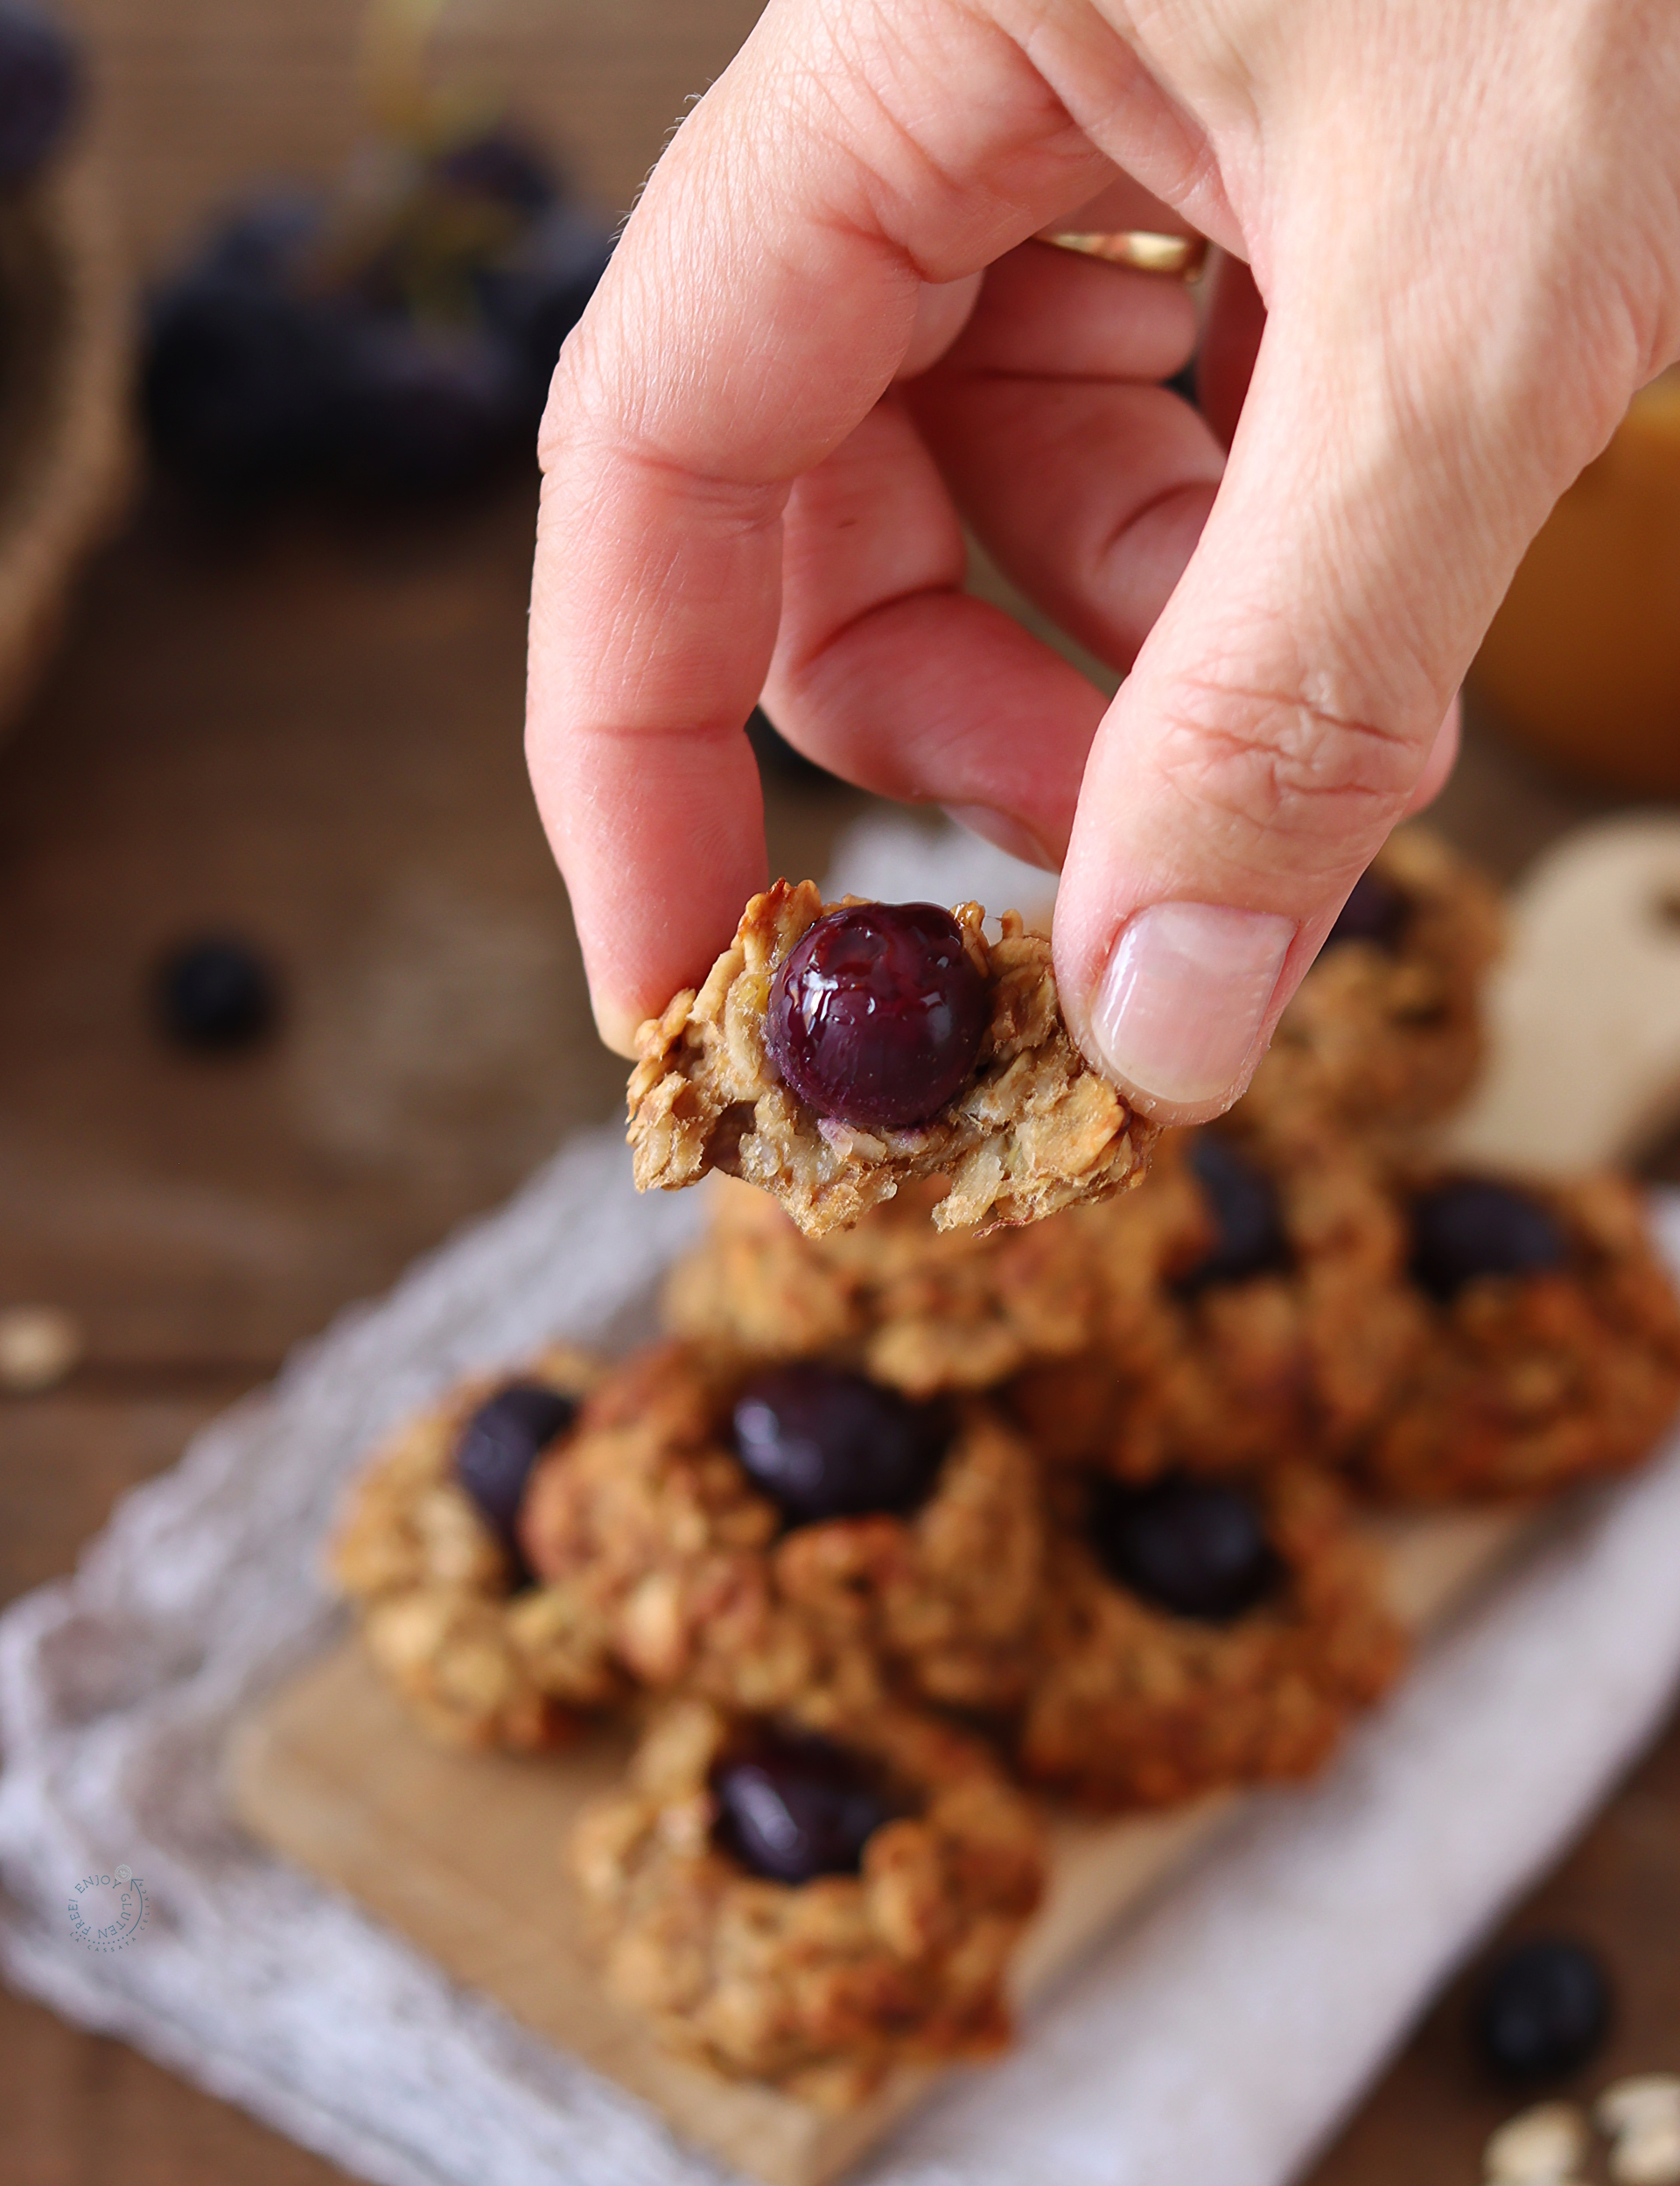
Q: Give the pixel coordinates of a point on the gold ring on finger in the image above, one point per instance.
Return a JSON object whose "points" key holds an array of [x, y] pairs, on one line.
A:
{"points": [[1144, 250]]}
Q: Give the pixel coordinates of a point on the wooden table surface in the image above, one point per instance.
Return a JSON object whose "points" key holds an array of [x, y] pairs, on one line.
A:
{"points": [[309, 734]]}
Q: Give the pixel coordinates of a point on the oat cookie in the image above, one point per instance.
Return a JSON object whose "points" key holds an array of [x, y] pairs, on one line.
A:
{"points": [[1385, 1031], [1135, 1705], [819, 1985], [1033, 1130], [1550, 1351], [1254, 1308], [645, 1523], [687, 1574], [945, 1598], [444, 1608], [922, 1309]]}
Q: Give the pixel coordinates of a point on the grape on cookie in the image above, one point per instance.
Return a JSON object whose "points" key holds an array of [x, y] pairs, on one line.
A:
{"points": [[812, 1901], [1549, 1350], [837, 1052], [762, 1532], [1201, 1634], [1385, 1033], [427, 1549], [1253, 1307]]}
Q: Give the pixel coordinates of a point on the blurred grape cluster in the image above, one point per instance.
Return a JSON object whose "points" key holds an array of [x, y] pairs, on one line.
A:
{"points": [[395, 337], [40, 90]]}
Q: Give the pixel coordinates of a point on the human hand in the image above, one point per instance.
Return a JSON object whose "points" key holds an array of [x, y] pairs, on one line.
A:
{"points": [[825, 332]]}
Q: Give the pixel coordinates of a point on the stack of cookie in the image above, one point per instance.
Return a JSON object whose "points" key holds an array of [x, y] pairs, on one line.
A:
{"points": [[910, 1524]]}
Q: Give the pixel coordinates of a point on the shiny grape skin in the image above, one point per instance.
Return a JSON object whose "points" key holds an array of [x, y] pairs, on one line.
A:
{"points": [[1249, 1238], [501, 1443], [822, 1443], [1375, 911], [1544, 2009], [1197, 1548], [792, 1807], [876, 1014], [217, 994], [1470, 1228]]}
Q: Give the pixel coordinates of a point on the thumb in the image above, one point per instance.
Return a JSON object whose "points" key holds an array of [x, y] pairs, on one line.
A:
{"points": [[1282, 713]]}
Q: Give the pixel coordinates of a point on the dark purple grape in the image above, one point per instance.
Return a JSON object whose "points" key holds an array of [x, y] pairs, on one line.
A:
{"points": [[792, 1807], [267, 238], [1375, 911], [876, 1014], [1544, 2010], [420, 410], [215, 994], [1197, 1547], [238, 377], [534, 294], [824, 1444], [499, 169], [1242, 1199], [258, 377], [1472, 1227], [40, 89], [499, 1444]]}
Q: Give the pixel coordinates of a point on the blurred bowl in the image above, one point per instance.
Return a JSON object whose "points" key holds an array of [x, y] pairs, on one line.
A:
{"points": [[1583, 660], [66, 365]]}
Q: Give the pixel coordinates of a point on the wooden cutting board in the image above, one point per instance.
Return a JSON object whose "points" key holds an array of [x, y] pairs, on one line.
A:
{"points": [[463, 1853]]}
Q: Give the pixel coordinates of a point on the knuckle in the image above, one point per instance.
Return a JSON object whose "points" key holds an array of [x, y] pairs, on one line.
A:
{"points": [[1281, 764]]}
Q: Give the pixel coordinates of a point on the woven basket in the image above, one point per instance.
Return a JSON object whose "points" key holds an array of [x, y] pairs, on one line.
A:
{"points": [[65, 367]]}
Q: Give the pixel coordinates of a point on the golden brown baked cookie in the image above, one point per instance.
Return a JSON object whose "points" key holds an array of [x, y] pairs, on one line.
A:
{"points": [[646, 1522], [483, 1658], [921, 1308], [1253, 1310], [1033, 1128], [1551, 1344], [923, 1866], [1138, 1704], [1385, 1031], [689, 1574], [943, 1599]]}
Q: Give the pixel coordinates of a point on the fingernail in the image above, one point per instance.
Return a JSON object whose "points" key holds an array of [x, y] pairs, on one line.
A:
{"points": [[1177, 1014], [1007, 832]]}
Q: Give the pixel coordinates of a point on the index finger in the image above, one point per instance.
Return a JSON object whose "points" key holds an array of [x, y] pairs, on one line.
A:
{"points": [[761, 298]]}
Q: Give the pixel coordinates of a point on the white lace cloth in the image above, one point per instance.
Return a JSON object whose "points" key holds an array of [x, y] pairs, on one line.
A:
{"points": [[1220, 2038]]}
